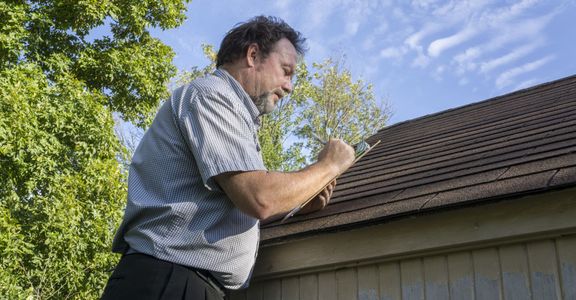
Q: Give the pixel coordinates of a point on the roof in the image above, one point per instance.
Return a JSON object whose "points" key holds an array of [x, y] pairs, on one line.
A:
{"points": [[512, 145]]}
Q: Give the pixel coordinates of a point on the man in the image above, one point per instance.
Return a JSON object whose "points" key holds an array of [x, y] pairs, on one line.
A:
{"points": [[198, 188]]}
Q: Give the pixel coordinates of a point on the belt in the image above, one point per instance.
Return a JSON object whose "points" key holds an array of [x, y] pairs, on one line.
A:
{"points": [[207, 276]]}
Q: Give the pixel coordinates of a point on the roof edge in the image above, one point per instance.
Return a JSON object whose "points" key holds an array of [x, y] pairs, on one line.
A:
{"points": [[403, 215], [495, 98]]}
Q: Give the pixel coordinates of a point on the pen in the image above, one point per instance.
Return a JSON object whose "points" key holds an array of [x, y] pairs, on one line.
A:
{"points": [[318, 138]]}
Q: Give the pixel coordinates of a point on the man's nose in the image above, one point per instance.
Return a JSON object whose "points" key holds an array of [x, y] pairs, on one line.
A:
{"points": [[287, 87]]}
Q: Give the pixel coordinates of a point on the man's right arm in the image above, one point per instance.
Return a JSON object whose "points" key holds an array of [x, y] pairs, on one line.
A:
{"points": [[264, 194]]}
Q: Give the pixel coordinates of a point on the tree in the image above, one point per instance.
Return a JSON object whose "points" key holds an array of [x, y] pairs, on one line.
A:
{"points": [[334, 106], [61, 186]]}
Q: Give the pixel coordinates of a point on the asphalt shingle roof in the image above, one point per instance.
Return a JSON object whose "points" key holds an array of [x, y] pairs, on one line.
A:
{"points": [[516, 144]]}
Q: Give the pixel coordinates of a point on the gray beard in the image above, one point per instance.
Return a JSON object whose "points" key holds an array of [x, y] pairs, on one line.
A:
{"points": [[263, 103]]}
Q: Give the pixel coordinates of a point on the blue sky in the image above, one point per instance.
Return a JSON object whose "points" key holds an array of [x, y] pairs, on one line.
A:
{"points": [[422, 56]]}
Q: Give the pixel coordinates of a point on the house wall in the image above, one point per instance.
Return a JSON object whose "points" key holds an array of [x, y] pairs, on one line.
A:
{"points": [[543, 269], [517, 249]]}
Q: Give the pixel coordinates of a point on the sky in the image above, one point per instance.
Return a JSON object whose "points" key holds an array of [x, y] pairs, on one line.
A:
{"points": [[422, 56]]}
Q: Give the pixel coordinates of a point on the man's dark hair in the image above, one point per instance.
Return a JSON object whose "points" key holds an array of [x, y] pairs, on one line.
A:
{"points": [[262, 30]]}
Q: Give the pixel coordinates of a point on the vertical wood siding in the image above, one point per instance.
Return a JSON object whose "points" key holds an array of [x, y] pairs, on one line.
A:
{"points": [[543, 269]]}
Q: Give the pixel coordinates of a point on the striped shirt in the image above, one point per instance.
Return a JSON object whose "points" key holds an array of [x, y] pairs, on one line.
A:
{"points": [[175, 210]]}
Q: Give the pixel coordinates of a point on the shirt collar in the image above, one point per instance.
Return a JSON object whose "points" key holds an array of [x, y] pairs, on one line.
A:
{"points": [[250, 106]]}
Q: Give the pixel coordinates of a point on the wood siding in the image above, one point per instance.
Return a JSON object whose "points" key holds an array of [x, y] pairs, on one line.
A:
{"points": [[541, 269]]}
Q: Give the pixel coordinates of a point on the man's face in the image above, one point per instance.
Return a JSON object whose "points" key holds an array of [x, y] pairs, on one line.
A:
{"points": [[273, 76]]}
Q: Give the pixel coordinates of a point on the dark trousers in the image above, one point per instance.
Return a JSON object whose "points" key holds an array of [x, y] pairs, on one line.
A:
{"points": [[140, 276]]}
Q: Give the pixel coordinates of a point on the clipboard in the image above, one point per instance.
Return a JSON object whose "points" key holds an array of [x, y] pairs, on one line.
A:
{"points": [[299, 207]]}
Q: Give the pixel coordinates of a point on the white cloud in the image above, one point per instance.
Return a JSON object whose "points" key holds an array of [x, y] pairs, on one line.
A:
{"points": [[525, 84], [352, 27], [421, 61], [356, 14], [413, 41], [507, 78], [525, 32], [370, 41], [423, 4], [426, 33], [318, 13], [508, 58], [469, 55], [440, 45], [438, 73], [458, 11], [495, 18], [392, 52]]}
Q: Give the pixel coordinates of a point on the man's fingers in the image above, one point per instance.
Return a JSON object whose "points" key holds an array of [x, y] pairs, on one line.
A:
{"points": [[324, 196], [322, 199], [330, 188], [333, 184]]}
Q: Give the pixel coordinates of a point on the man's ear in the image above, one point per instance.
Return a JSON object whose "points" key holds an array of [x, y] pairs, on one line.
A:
{"points": [[252, 54]]}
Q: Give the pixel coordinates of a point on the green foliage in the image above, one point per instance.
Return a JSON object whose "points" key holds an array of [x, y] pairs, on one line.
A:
{"points": [[133, 74], [12, 33], [62, 188], [335, 106]]}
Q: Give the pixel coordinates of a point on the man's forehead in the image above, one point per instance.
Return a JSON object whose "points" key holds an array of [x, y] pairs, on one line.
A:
{"points": [[285, 48]]}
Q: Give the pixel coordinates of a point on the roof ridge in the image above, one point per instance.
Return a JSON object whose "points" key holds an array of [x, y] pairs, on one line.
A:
{"points": [[564, 80]]}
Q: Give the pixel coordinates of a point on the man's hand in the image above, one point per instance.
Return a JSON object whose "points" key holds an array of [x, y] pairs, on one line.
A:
{"points": [[320, 201], [337, 154]]}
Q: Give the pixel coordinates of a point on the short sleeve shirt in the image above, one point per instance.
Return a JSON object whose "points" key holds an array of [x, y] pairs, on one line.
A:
{"points": [[175, 209]]}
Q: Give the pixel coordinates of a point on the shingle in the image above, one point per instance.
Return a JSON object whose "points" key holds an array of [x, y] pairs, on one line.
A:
{"points": [[491, 190], [554, 163], [515, 144], [564, 176], [448, 152]]}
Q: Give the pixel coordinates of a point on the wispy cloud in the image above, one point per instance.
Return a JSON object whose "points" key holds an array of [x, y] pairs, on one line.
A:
{"points": [[356, 12], [521, 37], [392, 52], [371, 40], [509, 58], [478, 31], [349, 15], [422, 60], [493, 18], [414, 40], [440, 45], [317, 14], [461, 38], [507, 78], [526, 84]]}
